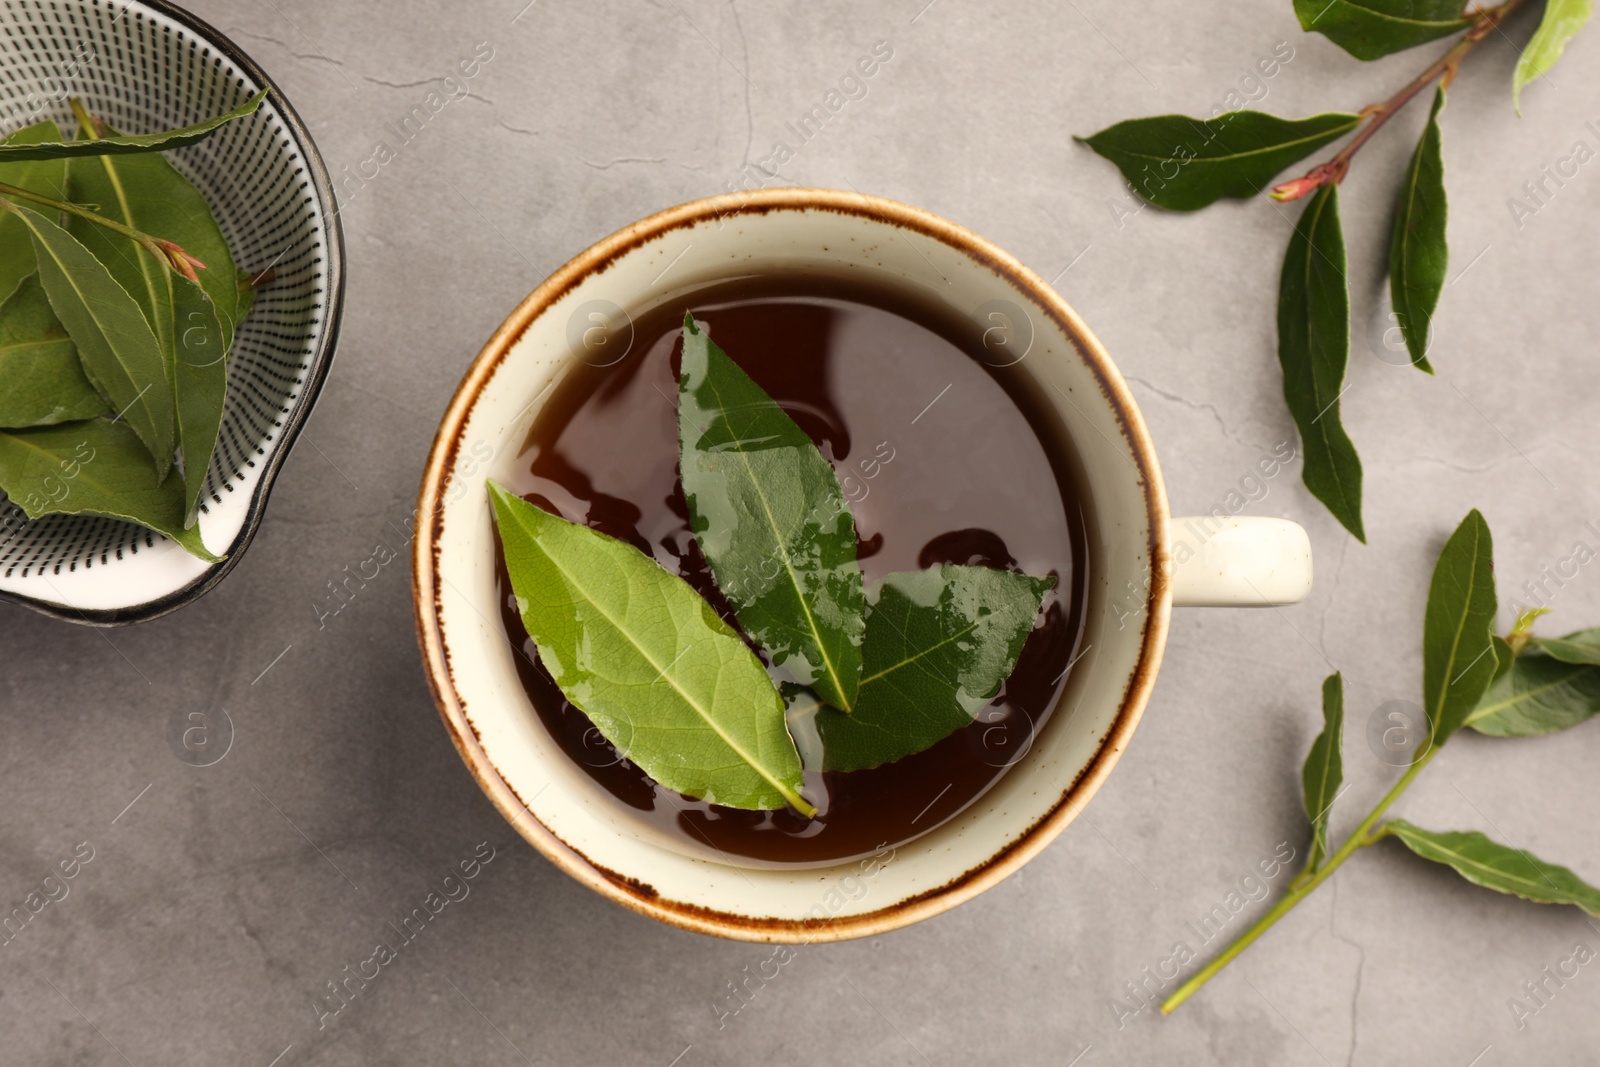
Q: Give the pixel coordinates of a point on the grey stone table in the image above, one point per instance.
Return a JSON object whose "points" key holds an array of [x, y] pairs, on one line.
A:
{"points": [[220, 901]]}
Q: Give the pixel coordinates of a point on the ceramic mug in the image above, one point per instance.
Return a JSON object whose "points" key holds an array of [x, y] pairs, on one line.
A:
{"points": [[1141, 563]]}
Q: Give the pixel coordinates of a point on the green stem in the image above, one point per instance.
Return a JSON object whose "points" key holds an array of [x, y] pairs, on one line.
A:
{"points": [[1334, 170], [1303, 884], [86, 122], [169, 255], [82, 212]]}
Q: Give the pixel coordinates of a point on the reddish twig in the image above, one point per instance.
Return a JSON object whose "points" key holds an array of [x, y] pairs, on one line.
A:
{"points": [[1443, 70]]}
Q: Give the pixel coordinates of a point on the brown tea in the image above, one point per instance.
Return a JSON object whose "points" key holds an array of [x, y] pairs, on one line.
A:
{"points": [[944, 457]]}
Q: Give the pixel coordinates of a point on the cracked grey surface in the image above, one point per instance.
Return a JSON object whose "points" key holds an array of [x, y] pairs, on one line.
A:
{"points": [[221, 901]]}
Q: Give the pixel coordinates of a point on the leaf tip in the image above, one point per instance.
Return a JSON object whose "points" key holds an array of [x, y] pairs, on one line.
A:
{"points": [[803, 806], [499, 495], [1353, 523]]}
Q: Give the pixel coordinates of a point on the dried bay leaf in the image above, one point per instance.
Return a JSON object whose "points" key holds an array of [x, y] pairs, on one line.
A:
{"points": [[41, 381], [147, 193], [119, 353], [120, 145], [47, 177], [94, 467]]}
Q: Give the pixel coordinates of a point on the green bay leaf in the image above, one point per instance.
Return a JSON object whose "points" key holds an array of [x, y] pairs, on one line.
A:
{"points": [[1314, 349], [119, 353], [772, 520], [1458, 652], [119, 145], [41, 380], [146, 193], [1560, 24], [1580, 647], [198, 365], [192, 324], [1324, 768], [1504, 657], [245, 299], [47, 177], [1371, 29], [1184, 164], [1538, 695], [939, 643], [1495, 866], [1419, 254], [643, 655], [95, 467]]}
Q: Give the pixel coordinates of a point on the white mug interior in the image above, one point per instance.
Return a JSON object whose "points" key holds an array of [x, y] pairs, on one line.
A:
{"points": [[565, 813]]}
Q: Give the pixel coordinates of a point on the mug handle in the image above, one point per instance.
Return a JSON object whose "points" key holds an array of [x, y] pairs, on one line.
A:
{"points": [[1237, 562]]}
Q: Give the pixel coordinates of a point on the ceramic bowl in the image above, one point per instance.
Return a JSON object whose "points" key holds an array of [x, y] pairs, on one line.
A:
{"points": [[151, 66]]}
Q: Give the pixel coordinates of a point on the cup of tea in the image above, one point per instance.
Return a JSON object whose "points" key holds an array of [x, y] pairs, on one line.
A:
{"points": [[972, 419]]}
